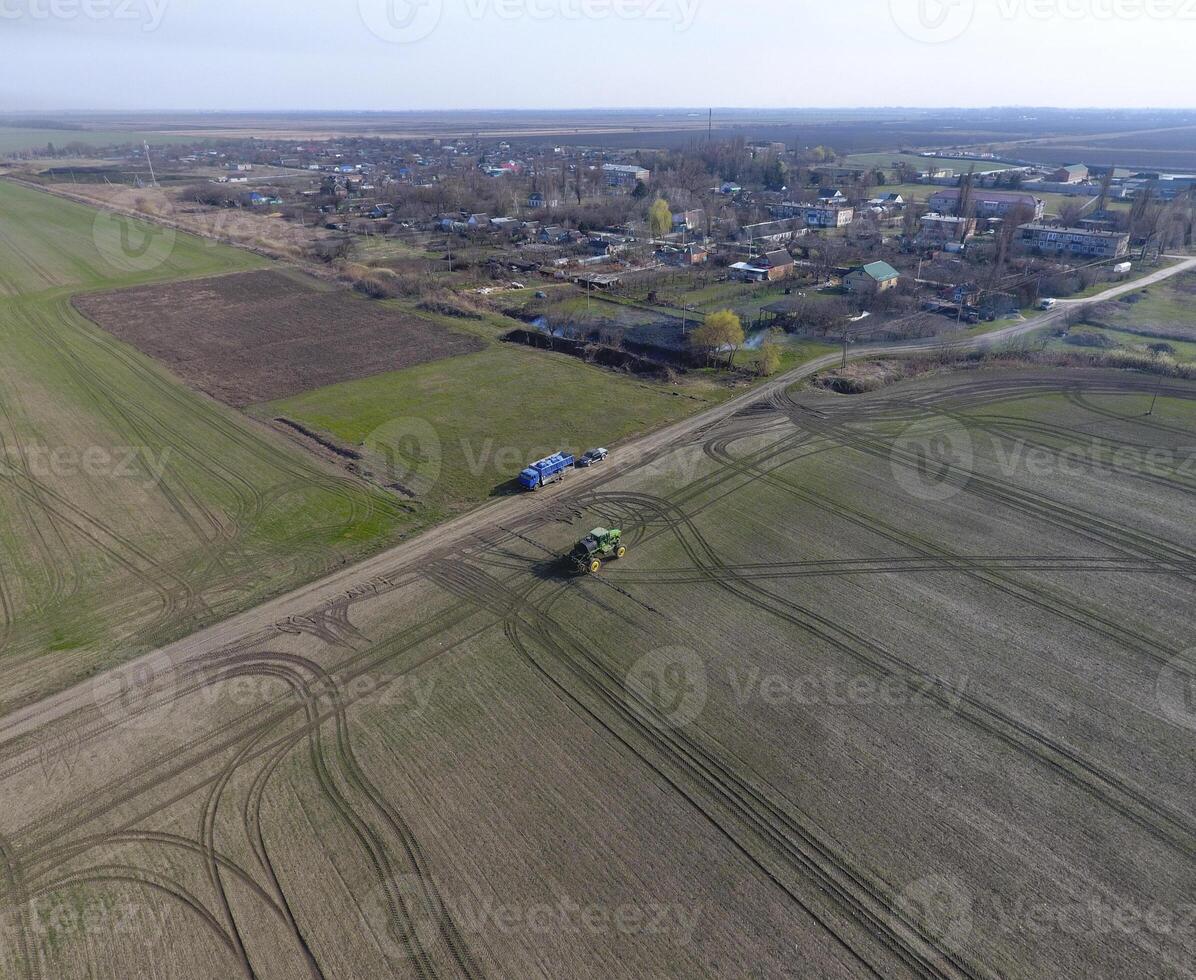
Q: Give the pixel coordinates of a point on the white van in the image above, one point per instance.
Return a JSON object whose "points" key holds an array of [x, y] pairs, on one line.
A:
{"points": [[1048, 304]]}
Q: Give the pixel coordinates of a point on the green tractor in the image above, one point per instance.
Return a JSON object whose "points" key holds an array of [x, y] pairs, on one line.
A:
{"points": [[600, 543]]}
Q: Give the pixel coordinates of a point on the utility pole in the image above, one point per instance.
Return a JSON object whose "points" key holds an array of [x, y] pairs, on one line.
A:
{"points": [[847, 329], [150, 164], [1154, 400]]}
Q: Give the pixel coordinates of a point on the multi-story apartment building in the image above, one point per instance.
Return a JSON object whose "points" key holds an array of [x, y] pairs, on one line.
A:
{"points": [[989, 204], [1085, 242]]}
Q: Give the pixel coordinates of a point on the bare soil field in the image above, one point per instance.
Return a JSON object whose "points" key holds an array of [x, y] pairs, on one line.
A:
{"points": [[263, 335], [894, 685]]}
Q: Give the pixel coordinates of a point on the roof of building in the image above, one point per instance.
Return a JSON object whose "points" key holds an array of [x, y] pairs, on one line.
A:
{"points": [[880, 271], [1038, 226], [778, 257], [982, 194]]}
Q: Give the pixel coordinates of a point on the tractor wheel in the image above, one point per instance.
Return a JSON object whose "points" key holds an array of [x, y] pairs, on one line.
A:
{"points": [[620, 551], [595, 566]]}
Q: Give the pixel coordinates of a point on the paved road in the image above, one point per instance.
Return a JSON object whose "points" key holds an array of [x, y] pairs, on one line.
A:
{"points": [[1184, 264], [447, 537]]}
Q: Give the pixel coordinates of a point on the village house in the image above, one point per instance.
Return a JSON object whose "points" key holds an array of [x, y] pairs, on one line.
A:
{"points": [[937, 229], [870, 279], [779, 263], [769, 267], [689, 220], [685, 255], [554, 235], [1076, 173]]}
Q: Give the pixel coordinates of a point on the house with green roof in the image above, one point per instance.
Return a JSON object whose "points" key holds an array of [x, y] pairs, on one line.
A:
{"points": [[875, 277]]}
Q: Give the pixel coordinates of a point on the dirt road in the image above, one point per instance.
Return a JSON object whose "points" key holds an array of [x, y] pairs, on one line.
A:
{"points": [[445, 538]]}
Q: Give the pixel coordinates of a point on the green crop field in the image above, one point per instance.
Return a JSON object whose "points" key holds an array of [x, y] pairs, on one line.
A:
{"points": [[131, 509], [477, 420], [17, 139]]}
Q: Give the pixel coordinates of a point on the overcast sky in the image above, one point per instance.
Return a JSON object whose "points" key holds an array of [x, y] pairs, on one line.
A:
{"points": [[448, 54]]}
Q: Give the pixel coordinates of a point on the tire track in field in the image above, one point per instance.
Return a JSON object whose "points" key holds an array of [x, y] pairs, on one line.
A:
{"points": [[359, 506], [128, 875], [291, 670], [1082, 400], [132, 419], [1170, 827], [907, 565], [174, 842], [55, 579], [813, 859], [184, 681], [309, 729], [14, 900], [1116, 536], [188, 677], [117, 547], [1135, 640]]}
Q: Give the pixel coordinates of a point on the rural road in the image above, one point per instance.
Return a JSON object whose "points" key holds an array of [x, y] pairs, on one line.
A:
{"points": [[446, 537]]}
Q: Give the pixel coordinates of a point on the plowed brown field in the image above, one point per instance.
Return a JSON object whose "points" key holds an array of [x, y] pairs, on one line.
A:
{"points": [[259, 336]]}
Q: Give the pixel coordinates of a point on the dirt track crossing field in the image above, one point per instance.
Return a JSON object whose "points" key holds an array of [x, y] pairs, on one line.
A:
{"points": [[211, 333], [853, 706]]}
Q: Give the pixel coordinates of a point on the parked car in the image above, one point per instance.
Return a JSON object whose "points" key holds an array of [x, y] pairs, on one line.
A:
{"points": [[593, 456], [1048, 304]]}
